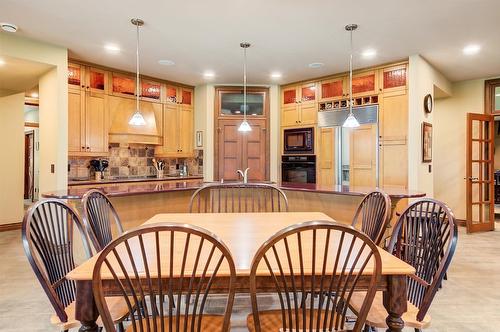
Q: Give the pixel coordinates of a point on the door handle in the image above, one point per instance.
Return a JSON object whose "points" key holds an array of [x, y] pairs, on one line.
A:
{"points": [[471, 178]]}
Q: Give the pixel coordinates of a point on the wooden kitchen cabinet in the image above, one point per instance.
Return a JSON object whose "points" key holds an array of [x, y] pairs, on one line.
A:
{"points": [[152, 91], [393, 142], [178, 130], [122, 85], [303, 110], [87, 122]]}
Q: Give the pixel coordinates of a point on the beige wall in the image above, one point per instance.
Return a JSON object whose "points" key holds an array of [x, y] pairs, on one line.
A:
{"points": [[450, 142], [204, 120], [12, 167], [53, 105], [423, 79]]}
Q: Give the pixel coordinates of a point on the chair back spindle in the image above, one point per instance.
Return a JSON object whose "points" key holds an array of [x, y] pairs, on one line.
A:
{"points": [[47, 234], [238, 197], [99, 214], [319, 258], [425, 237], [170, 278], [373, 215]]}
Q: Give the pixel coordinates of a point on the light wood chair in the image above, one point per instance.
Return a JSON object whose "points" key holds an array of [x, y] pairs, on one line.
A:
{"points": [[47, 234], [373, 215], [238, 197], [98, 215], [313, 246], [425, 237], [190, 254]]}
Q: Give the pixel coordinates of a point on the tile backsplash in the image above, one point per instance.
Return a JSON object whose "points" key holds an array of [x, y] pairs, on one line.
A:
{"points": [[133, 160]]}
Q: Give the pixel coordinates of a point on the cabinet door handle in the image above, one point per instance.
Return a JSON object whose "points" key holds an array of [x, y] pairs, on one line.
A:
{"points": [[83, 148]]}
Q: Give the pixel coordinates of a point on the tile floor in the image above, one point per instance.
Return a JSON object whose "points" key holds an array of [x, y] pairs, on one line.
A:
{"points": [[469, 301]]}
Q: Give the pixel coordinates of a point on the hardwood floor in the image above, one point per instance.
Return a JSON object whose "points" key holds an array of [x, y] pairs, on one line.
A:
{"points": [[469, 300]]}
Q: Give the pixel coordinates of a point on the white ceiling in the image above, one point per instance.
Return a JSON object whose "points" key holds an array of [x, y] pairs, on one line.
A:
{"points": [[286, 35]]}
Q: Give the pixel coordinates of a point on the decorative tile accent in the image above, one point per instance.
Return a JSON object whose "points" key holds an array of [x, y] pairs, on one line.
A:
{"points": [[133, 160]]}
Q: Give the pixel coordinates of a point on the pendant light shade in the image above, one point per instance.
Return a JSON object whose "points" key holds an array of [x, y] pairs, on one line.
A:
{"points": [[351, 121], [137, 118], [244, 126]]}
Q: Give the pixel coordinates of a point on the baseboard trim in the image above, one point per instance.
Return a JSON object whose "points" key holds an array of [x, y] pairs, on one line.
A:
{"points": [[11, 227], [461, 222]]}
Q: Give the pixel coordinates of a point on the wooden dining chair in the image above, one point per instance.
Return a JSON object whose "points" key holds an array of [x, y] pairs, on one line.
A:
{"points": [[425, 237], [47, 234], [172, 267], [98, 215], [373, 215], [238, 197], [336, 254]]}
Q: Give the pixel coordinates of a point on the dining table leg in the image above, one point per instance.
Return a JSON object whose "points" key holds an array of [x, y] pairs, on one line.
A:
{"points": [[86, 310], [395, 302]]}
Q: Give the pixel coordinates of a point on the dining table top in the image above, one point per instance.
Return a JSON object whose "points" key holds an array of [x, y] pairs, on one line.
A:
{"points": [[243, 234]]}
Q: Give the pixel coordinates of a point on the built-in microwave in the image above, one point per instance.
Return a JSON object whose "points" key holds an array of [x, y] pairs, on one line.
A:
{"points": [[298, 140]]}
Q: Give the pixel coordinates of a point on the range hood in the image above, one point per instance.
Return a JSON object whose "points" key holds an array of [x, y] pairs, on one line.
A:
{"points": [[120, 131], [336, 117]]}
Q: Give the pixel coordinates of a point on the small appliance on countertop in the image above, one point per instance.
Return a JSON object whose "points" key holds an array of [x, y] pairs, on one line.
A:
{"points": [[99, 166]]}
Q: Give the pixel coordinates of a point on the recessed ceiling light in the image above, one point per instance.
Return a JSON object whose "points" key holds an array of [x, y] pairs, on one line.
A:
{"points": [[34, 95], [276, 75], [112, 48], [166, 62], [316, 65], [209, 74], [9, 27], [369, 53], [471, 49], [2, 62]]}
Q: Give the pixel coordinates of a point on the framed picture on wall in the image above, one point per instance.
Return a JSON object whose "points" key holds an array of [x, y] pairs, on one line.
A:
{"points": [[426, 142]]}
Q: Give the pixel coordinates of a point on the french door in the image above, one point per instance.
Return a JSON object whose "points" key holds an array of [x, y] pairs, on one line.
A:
{"points": [[480, 198]]}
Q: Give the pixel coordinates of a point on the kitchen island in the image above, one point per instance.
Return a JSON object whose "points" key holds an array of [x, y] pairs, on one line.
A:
{"points": [[137, 201]]}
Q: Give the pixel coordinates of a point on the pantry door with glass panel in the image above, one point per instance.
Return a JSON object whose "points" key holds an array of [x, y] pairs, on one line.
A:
{"points": [[238, 150], [479, 173]]}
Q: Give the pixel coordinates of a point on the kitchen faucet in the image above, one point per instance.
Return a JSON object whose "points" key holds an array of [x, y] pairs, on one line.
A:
{"points": [[244, 174]]}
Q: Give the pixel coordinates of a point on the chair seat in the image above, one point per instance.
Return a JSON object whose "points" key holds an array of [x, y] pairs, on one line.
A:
{"points": [[208, 323], [377, 314], [117, 308], [270, 321]]}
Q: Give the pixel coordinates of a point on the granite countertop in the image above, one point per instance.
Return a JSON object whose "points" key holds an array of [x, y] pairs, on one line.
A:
{"points": [[393, 192], [82, 182], [130, 188]]}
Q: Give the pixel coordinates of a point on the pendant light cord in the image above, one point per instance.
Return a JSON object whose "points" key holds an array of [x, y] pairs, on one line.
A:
{"points": [[137, 74], [350, 79], [245, 84]]}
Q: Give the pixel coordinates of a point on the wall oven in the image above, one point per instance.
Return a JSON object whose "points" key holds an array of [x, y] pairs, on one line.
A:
{"points": [[299, 140], [298, 170]]}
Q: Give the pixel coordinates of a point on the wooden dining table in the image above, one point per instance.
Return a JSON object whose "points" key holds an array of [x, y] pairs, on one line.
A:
{"points": [[244, 233]]}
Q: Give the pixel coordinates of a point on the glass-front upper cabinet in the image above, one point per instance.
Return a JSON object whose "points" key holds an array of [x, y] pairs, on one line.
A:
{"points": [[75, 77], [186, 96], [308, 93], [364, 83], [289, 96], [97, 80], [151, 90], [122, 85], [171, 94], [332, 89], [232, 103], [394, 78]]}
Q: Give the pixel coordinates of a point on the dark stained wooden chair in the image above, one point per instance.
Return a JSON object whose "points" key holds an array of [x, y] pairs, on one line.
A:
{"points": [[425, 237], [47, 234], [238, 197], [320, 246], [373, 215], [173, 274], [99, 215]]}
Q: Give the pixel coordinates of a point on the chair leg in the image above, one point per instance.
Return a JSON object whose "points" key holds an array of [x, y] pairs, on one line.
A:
{"points": [[119, 327]]}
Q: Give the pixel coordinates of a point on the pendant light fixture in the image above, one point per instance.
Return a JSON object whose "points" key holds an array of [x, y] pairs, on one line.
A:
{"points": [[351, 121], [137, 118], [245, 126]]}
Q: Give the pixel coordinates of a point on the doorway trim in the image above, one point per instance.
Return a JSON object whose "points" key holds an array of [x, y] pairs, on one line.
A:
{"points": [[217, 116], [489, 93]]}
